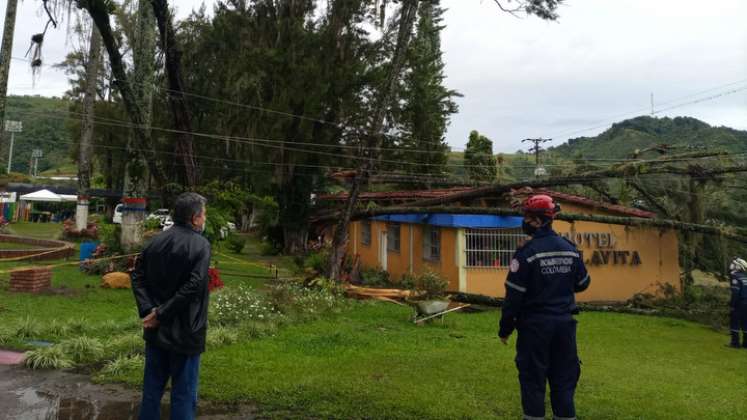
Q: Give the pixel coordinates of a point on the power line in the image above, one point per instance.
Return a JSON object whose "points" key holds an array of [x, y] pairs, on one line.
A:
{"points": [[259, 108], [331, 167], [614, 118]]}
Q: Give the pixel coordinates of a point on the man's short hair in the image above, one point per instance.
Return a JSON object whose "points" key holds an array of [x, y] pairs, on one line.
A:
{"points": [[187, 206]]}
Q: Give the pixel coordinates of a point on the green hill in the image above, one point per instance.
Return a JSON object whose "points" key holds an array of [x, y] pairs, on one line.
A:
{"points": [[44, 128], [623, 138]]}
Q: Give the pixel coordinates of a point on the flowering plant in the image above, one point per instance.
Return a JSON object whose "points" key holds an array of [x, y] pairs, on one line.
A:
{"points": [[235, 305], [215, 282]]}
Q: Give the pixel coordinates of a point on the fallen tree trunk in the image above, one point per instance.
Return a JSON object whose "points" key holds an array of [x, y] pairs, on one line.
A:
{"points": [[728, 232]]}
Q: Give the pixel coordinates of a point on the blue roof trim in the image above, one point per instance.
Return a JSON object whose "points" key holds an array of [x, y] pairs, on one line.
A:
{"points": [[470, 221]]}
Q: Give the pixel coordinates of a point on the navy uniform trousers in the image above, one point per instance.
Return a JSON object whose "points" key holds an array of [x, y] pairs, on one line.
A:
{"points": [[546, 353]]}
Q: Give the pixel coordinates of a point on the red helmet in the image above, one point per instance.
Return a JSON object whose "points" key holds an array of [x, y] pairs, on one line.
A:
{"points": [[541, 205]]}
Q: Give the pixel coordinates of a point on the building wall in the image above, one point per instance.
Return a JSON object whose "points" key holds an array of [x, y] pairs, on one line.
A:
{"points": [[612, 279], [399, 263]]}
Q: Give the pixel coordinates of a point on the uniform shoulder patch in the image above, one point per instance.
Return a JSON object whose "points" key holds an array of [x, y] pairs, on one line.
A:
{"points": [[734, 281], [514, 267]]}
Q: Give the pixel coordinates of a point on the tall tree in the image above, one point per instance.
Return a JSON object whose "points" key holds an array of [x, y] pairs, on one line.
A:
{"points": [[479, 161], [144, 53], [374, 135], [426, 103], [86, 137], [5, 53], [5, 56], [180, 106]]}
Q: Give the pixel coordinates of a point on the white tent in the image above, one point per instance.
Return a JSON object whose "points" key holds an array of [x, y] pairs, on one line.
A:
{"points": [[48, 196]]}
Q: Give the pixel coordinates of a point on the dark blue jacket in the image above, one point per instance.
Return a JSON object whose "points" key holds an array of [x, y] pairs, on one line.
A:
{"points": [[543, 276], [738, 288]]}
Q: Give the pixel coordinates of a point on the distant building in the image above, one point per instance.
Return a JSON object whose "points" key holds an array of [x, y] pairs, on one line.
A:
{"points": [[473, 251]]}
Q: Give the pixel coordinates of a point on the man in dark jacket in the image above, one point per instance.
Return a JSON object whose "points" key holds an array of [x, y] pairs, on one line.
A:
{"points": [[170, 285], [738, 302], [543, 276]]}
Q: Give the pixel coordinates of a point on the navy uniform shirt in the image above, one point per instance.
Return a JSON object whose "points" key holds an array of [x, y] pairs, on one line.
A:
{"points": [[543, 276], [738, 288]]}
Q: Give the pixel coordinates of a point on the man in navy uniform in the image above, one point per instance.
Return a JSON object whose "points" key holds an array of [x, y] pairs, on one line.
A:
{"points": [[543, 276], [738, 302]]}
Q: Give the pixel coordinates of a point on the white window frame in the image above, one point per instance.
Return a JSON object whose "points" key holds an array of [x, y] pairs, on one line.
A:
{"points": [[491, 249]]}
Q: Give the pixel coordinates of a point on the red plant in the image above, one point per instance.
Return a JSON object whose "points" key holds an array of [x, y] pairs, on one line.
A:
{"points": [[215, 281]]}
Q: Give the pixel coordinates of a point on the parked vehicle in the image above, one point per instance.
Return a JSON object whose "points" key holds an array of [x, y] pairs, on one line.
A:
{"points": [[117, 218], [160, 214]]}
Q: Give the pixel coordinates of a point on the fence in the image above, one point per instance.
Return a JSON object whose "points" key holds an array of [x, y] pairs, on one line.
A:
{"points": [[492, 248]]}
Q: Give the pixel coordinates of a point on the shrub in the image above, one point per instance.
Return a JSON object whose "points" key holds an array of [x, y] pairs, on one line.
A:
{"points": [[125, 345], [83, 349], [374, 277], [221, 336], [408, 281], [124, 364], [433, 285], [292, 298], [215, 282], [231, 306], [5, 337], [52, 357], [152, 224], [255, 329], [236, 243], [28, 328], [703, 304], [318, 262], [269, 249], [70, 231]]}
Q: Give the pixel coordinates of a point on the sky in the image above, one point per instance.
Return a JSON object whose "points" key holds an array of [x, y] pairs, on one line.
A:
{"points": [[526, 78]]}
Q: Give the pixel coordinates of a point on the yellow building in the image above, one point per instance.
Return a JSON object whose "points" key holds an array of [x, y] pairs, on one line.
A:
{"points": [[473, 251]]}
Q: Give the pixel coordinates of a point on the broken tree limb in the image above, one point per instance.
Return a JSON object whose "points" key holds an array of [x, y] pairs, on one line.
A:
{"points": [[728, 232], [640, 168]]}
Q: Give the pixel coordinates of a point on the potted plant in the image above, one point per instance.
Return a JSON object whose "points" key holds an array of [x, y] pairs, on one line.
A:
{"points": [[429, 295]]}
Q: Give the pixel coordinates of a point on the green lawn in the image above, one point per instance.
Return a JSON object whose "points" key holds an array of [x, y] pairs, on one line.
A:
{"points": [[15, 245], [36, 230], [371, 362]]}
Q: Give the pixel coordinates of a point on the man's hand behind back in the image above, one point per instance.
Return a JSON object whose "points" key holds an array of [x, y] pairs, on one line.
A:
{"points": [[150, 320]]}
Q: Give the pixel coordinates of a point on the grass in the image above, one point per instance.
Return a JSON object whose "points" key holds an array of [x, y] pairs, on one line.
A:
{"points": [[370, 362], [36, 230], [15, 245]]}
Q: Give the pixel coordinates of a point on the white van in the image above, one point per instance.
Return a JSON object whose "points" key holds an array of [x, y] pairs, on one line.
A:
{"points": [[117, 218]]}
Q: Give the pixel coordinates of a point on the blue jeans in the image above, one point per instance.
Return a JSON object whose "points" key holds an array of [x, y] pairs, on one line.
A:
{"points": [[160, 365]]}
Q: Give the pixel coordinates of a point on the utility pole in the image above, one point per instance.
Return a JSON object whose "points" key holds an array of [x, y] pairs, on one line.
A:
{"points": [[13, 127], [539, 171], [35, 155], [652, 104]]}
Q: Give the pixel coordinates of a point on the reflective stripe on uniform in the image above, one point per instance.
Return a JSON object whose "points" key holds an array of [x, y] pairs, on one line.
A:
{"points": [[516, 286], [584, 280], [553, 254], [533, 418], [564, 418]]}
